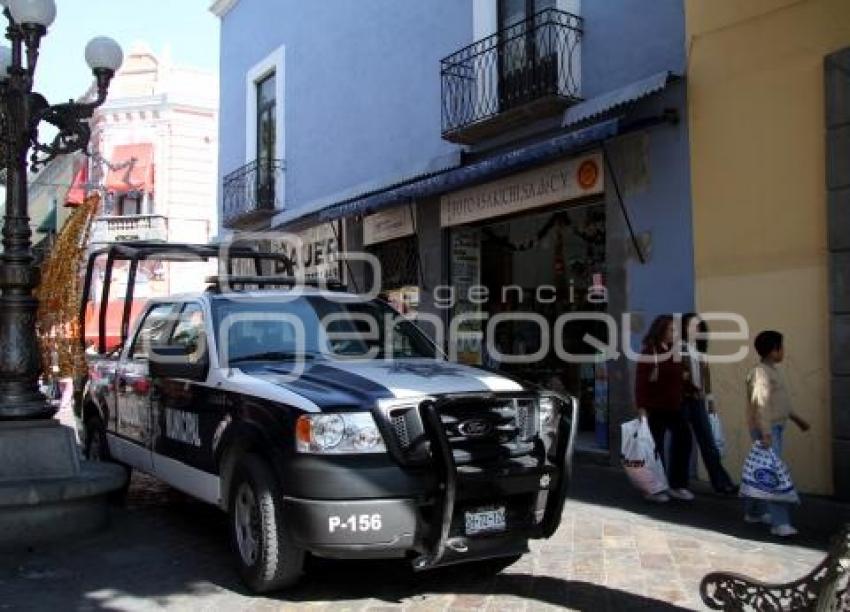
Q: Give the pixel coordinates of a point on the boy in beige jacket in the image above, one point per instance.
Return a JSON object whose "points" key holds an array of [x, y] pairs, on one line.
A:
{"points": [[768, 411]]}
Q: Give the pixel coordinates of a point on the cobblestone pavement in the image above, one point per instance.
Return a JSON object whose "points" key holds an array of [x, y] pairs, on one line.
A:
{"points": [[165, 551]]}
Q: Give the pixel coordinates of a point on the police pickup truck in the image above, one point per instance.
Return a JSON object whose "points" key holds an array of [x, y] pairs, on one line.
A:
{"points": [[319, 433]]}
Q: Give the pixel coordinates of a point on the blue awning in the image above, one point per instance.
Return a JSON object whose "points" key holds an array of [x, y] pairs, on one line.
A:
{"points": [[310, 209], [633, 92], [487, 169]]}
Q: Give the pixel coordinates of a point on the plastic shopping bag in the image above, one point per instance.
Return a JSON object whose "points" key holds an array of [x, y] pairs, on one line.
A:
{"points": [[640, 459], [766, 477], [717, 432]]}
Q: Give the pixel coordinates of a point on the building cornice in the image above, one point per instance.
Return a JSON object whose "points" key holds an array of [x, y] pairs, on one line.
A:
{"points": [[220, 8]]}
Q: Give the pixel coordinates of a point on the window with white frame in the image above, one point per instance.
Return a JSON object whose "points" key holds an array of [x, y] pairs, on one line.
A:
{"points": [[264, 129], [266, 138]]}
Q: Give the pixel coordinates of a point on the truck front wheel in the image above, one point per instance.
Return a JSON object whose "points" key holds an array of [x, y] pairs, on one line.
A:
{"points": [[268, 559]]}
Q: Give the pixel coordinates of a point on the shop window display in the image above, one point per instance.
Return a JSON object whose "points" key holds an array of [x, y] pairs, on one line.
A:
{"points": [[546, 265]]}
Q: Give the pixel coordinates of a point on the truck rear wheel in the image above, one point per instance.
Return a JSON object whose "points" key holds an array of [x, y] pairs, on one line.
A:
{"points": [[96, 448], [267, 557]]}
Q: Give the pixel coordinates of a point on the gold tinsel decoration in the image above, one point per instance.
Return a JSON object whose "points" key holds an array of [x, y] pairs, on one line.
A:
{"points": [[60, 292]]}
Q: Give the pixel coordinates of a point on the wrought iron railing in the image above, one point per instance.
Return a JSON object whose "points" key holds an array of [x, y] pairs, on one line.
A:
{"points": [[532, 59], [251, 191], [123, 228]]}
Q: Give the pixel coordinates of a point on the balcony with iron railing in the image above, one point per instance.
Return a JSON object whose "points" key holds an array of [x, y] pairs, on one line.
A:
{"points": [[249, 194], [126, 228], [525, 72]]}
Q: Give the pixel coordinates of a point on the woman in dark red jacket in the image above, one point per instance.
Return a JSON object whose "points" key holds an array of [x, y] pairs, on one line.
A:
{"points": [[659, 388]]}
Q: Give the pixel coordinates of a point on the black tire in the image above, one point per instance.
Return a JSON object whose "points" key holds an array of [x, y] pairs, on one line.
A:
{"points": [[267, 557], [96, 448]]}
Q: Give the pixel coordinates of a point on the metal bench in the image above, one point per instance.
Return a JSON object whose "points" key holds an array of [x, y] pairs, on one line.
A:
{"points": [[825, 588]]}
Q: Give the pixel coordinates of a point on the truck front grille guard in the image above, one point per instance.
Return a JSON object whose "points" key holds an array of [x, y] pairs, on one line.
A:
{"points": [[512, 433], [446, 469], [444, 462], [567, 429]]}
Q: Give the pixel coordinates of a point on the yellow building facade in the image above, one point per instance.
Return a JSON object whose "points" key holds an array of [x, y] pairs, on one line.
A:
{"points": [[758, 156]]}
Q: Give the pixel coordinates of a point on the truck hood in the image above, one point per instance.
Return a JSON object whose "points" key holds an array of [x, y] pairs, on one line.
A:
{"points": [[360, 383]]}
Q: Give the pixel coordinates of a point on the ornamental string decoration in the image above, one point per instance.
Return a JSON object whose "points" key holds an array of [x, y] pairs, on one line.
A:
{"points": [[60, 291]]}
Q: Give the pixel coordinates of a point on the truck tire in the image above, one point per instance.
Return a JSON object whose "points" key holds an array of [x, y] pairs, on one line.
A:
{"points": [[95, 448], [267, 557], [94, 443]]}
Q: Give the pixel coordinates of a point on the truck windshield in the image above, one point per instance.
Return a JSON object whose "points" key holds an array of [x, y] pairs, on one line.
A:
{"points": [[310, 326]]}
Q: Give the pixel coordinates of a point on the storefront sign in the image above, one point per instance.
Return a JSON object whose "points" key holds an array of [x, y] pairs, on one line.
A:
{"points": [[315, 251], [558, 182], [388, 224]]}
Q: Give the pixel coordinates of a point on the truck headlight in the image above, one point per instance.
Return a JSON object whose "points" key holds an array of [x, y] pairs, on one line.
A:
{"points": [[339, 433]]}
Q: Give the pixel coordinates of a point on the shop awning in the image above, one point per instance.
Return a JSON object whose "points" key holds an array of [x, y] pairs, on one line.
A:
{"points": [[79, 188], [633, 92], [48, 224], [131, 168], [310, 210], [478, 172]]}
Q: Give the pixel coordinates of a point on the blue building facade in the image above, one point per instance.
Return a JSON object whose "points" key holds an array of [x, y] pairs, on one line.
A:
{"points": [[360, 88], [472, 143]]}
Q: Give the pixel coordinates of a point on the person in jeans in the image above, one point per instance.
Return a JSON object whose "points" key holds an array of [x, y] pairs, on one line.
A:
{"points": [[698, 401], [659, 386], [769, 409]]}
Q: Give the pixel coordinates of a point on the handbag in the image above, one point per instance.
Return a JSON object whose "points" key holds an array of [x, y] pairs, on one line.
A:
{"points": [[765, 476], [717, 432], [640, 458]]}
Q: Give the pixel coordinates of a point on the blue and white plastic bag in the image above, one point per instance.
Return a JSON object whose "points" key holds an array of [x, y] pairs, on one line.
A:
{"points": [[765, 476]]}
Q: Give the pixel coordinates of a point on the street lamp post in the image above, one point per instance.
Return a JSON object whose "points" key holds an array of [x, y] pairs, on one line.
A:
{"points": [[21, 112], [47, 492]]}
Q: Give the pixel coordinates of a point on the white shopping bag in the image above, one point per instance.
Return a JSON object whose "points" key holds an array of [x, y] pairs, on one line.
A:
{"points": [[717, 432], [640, 459]]}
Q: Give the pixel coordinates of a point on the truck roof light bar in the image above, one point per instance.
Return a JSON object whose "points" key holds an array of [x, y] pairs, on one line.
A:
{"points": [[262, 282]]}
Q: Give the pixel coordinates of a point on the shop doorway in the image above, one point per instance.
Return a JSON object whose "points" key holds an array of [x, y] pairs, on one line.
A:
{"points": [[545, 264], [397, 280]]}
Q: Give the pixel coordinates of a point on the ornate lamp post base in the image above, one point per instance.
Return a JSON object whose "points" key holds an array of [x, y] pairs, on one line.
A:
{"points": [[46, 492]]}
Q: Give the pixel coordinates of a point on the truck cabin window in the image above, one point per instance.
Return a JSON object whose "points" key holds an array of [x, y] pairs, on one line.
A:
{"points": [[313, 326], [154, 330], [189, 331]]}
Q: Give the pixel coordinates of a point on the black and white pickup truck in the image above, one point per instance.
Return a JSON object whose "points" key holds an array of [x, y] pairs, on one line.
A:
{"points": [[317, 437]]}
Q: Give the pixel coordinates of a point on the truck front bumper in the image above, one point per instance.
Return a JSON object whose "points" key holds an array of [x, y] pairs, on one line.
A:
{"points": [[430, 525], [371, 528], [392, 528]]}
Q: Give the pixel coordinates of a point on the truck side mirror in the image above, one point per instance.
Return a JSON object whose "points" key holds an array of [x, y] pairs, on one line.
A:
{"points": [[178, 361]]}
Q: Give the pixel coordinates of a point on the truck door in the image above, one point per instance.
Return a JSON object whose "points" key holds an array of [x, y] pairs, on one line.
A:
{"points": [[186, 415], [133, 389]]}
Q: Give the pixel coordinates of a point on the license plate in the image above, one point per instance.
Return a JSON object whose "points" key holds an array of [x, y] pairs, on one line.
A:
{"points": [[485, 520]]}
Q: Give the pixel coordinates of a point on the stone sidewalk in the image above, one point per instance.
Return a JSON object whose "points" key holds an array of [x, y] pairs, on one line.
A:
{"points": [[613, 552]]}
